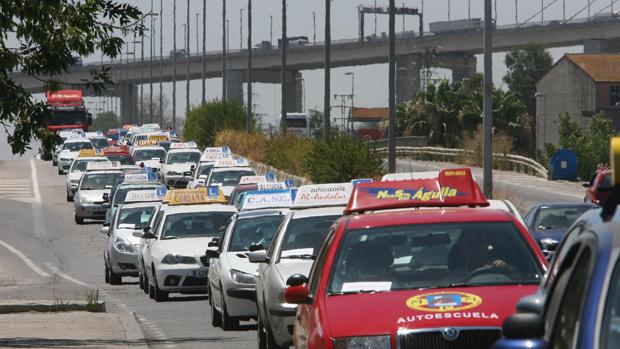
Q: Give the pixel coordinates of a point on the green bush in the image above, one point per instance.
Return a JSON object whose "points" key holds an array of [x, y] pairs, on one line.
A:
{"points": [[342, 159], [287, 153], [204, 122]]}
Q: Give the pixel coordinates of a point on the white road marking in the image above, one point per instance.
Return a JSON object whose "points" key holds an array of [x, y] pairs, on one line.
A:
{"points": [[37, 207], [57, 271], [35, 182], [25, 258]]}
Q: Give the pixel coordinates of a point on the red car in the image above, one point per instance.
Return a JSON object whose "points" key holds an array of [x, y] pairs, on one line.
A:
{"points": [[119, 153], [389, 276], [599, 186]]}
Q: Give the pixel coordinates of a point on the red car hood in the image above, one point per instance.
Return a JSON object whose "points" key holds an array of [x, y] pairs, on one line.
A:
{"points": [[387, 312]]}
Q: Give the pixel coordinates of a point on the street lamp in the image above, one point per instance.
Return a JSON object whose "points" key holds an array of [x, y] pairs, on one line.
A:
{"points": [[352, 99]]}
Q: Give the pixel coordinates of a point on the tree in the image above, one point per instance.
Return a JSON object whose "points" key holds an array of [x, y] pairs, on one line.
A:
{"points": [[105, 121], [48, 34], [525, 67], [204, 122]]}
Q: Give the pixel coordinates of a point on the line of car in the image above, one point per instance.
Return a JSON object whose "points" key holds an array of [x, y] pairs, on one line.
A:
{"points": [[417, 260]]}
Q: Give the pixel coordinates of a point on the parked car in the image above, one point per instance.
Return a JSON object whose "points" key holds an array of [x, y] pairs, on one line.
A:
{"points": [[597, 189]]}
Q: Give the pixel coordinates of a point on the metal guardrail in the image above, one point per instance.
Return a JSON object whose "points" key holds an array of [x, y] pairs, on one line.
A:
{"points": [[501, 161]]}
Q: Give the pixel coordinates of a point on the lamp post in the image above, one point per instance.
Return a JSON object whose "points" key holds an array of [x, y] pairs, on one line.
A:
{"points": [[249, 107], [161, 63], [174, 65], [204, 50], [352, 99], [187, 78], [328, 67], [487, 120], [284, 44], [224, 55], [392, 91]]}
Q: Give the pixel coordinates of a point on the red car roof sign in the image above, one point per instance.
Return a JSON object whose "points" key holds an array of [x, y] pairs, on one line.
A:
{"points": [[453, 187]]}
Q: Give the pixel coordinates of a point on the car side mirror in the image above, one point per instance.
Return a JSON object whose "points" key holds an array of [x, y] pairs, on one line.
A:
{"points": [[106, 197], [531, 304], [148, 236], [161, 161], [297, 295], [105, 230], [256, 247], [258, 257], [524, 326], [297, 280], [212, 253], [146, 229], [213, 243]]}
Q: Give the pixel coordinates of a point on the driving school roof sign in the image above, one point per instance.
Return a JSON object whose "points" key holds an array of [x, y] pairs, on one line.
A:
{"points": [[323, 195], [453, 187], [200, 196], [145, 195], [257, 200], [140, 178], [103, 166]]}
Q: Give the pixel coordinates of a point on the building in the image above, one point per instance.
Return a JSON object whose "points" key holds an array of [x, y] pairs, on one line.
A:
{"points": [[580, 85]]}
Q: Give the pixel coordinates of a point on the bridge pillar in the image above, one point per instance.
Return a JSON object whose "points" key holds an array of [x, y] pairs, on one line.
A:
{"points": [[127, 93], [463, 67], [234, 85], [294, 92], [407, 77]]}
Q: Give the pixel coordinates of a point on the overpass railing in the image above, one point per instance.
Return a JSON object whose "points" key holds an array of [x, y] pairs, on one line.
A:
{"points": [[508, 162]]}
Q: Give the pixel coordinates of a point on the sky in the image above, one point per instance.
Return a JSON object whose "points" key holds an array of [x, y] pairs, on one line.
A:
{"points": [[369, 78]]}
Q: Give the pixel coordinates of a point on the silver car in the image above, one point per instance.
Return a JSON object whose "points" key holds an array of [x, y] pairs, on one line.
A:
{"points": [[124, 235], [291, 252], [70, 150], [88, 200]]}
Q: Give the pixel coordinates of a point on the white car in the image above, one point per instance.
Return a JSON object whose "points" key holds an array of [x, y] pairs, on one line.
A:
{"points": [[150, 156], [76, 170], [232, 278], [88, 200], [124, 235], [200, 174], [292, 251], [228, 177], [70, 150], [175, 260], [177, 167]]}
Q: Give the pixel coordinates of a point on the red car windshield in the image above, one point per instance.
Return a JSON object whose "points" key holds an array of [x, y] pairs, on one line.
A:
{"points": [[433, 256], [124, 159], [67, 118]]}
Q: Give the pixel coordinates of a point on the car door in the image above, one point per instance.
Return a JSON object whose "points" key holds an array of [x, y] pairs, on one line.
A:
{"points": [[148, 260], [111, 236], [216, 268], [305, 331]]}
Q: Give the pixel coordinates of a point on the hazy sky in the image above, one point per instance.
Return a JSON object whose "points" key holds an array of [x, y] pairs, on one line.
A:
{"points": [[369, 80]]}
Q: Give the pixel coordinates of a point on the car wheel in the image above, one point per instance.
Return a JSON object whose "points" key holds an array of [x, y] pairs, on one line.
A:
{"points": [[54, 163], [271, 340], [107, 274], [260, 331], [216, 317], [140, 281], [79, 220], [146, 284], [115, 279], [69, 198], [228, 322], [60, 171], [158, 294], [151, 292]]}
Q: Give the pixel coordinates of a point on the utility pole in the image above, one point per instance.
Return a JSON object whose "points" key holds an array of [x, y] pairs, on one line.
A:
{"points": [[174, 65], [197, 31], [151, 42], [240, 29], [516, 14], [161, 63], [133, 77], [487, 158], [204, 50], [352, 100], [224, 73], [314, 27], [142, 79], [328, 67], [284, 44], [271, 29], [249, 111], [375, 19], [392, 91], [187, 65], [449, 10]]}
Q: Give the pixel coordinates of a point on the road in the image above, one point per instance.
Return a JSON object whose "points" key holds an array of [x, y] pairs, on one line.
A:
{"points": [[45, 256]]}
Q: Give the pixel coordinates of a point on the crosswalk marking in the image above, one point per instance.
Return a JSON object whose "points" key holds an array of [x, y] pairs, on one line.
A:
{"points": [[15, 188]]}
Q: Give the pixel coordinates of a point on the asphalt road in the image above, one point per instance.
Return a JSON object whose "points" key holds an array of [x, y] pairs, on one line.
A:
{"points": [[44, 255]]}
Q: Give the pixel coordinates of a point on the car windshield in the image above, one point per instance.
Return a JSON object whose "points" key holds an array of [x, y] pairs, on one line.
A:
{"points": [[124, 159], [254, 231], [98, 181], [558, 217], [229, 178], [183, 157], [204, 170], [445, 255], [135, 217], [77, 146], [100, 143], [195, 224], [121, 193], [148, 154], [80, 165], [304, 236]]}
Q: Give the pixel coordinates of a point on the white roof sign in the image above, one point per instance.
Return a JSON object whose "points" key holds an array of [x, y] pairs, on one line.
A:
{"points": [[145, 195], [213, 157], [271, 186], [217, 150], [140, 177], [257, 200], [240, 162], [323, 195], [188, 145], [410, 175], [253, 179], [103, 166]]}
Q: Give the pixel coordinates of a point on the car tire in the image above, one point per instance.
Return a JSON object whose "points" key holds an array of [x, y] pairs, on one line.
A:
{"points": [[271, 340], [158, 294], [260, 331], [60, 171], [151, 292], [69, 198], [228, 322], [140, 281], [146, 284], [79, 220], [115, 279], [54, 163], [107, 274], [216, 317]]}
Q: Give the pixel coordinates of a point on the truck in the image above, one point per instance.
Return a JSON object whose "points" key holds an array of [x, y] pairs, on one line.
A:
{"points": [[297, 124]]}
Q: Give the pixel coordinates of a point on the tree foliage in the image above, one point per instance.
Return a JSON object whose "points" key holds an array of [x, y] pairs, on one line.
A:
{"points": [[204, 122], [342, 159], [40, 39], [105, 121]]}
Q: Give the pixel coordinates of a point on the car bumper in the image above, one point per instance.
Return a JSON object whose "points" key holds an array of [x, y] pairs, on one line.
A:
{"points": [[182, 278], [176, 181], [91, 211], [281, 317], [125, 264], [64, 165], [241, 301]]}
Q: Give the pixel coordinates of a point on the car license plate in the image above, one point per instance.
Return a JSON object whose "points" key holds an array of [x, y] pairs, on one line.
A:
{"points": [[201, 273]]}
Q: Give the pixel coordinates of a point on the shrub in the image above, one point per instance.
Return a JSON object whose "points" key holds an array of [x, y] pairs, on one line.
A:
{"points": [[342, 159], [250, 145], [204, 122], [287, 153]]}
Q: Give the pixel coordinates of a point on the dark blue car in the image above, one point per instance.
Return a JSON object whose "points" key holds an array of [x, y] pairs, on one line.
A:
{"points": [[582, 309], [549, 223]]}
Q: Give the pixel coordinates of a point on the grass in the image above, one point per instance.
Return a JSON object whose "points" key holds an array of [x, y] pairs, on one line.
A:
{"points": [[92, 300]]}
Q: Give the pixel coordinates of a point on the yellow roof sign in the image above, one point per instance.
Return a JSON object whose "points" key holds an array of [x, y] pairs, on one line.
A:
{"points": [[159, 138], [87, 153], [200, 196], [614, 160], [147, 143]]}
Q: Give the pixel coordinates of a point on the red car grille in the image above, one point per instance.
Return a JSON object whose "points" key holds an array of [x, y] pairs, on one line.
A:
{"points": [[466, 339]]}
